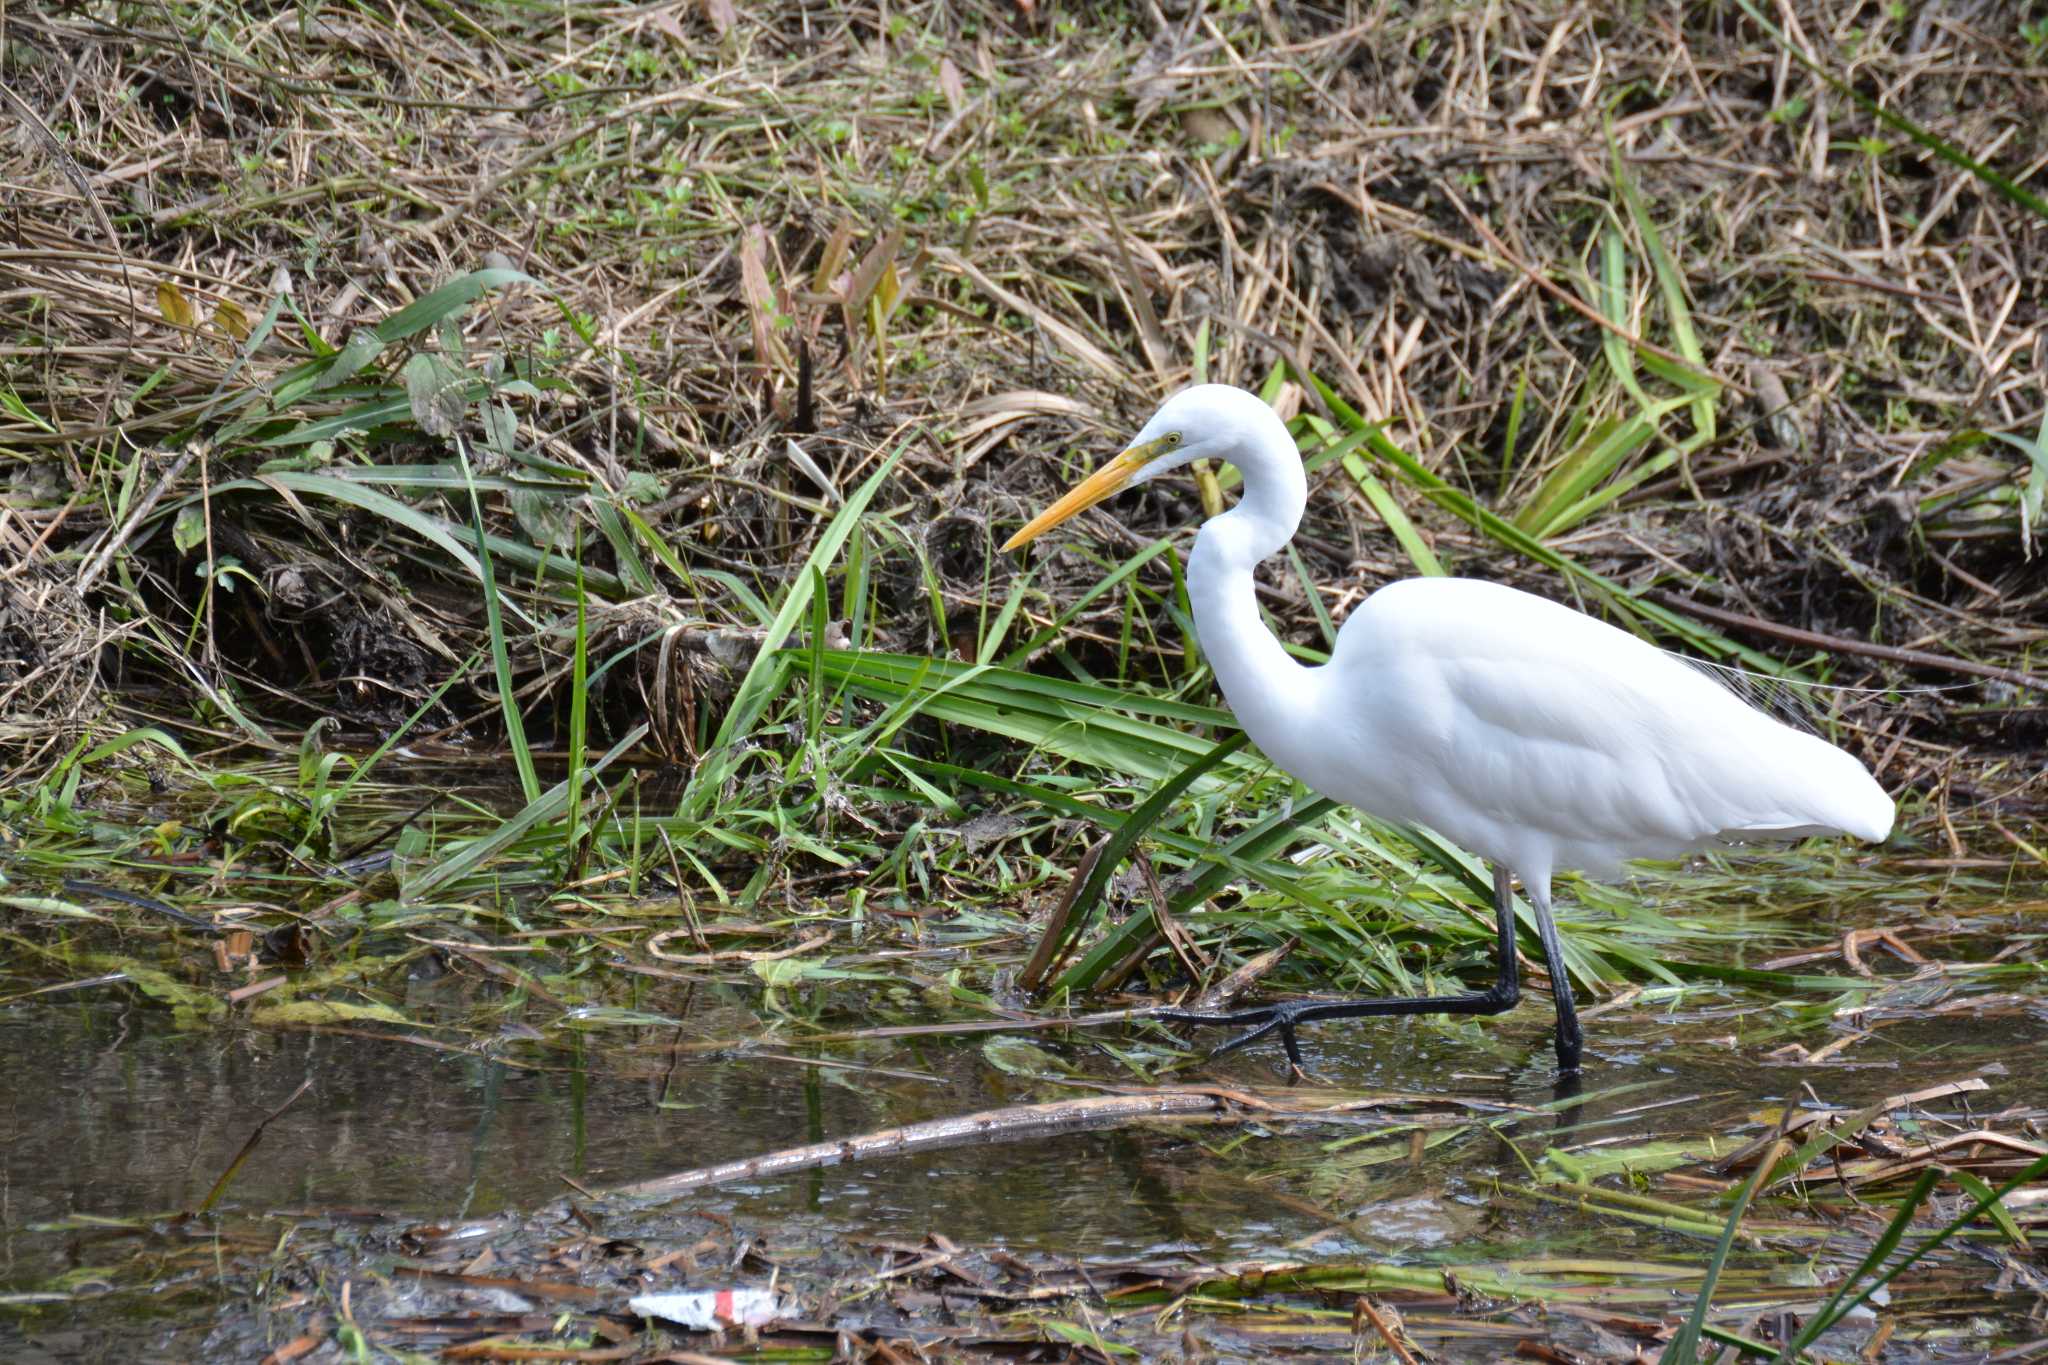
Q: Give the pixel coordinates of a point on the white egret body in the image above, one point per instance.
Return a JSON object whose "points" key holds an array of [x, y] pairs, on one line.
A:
{"points": [[1526, 732]]}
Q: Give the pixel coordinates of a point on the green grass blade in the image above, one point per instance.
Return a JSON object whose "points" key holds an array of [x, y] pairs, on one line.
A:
{"points": [[1677, 310], [2034, 490], [1612, 295], [460, 859], [1512, 440], [501, 655], [633, 571], [579, 671], [763, 677], [1410, 540], [1623, 603], [430, 308], [391, 740], [1840, 1306], [1058, 626], [1125, 838], [1608, 446], [992, 637], [1309, 590], [1684, 1346], [1257, 842]]}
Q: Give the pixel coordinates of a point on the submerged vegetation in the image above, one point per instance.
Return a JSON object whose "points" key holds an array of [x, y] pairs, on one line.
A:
{"points": [[498, 509]]}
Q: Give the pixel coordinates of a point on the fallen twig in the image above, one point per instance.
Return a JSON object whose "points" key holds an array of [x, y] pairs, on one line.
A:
{"points": [[1837, 644], [1011, 1124]]}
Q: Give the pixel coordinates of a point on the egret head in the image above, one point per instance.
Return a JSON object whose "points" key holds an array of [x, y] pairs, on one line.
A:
{"points": [[1204, 420]]}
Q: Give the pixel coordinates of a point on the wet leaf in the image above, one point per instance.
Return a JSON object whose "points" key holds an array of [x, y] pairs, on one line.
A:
{"points": [[1016, 1057], [786, 971], [49, 905], [1082, 1335], [1641, 1158], [164, 988], [325, 1012], [614, 1016]]}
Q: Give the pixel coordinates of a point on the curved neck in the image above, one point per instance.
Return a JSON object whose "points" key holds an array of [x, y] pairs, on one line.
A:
{"points": [[1259, 678]]}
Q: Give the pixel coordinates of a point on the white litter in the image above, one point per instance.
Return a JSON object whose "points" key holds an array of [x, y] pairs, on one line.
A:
{"points": [[707, 1310]]}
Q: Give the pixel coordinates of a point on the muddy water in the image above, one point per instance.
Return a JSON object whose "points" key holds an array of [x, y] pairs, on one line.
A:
{"points": [[108, 1113]]}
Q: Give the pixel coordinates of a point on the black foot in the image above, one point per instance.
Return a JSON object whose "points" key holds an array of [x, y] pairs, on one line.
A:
{"points": [[1571, 1042], [1567, 1086], [1283, 1016], [1278, 1018]]}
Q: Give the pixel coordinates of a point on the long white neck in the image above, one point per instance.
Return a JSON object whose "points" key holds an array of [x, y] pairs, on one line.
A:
{"points": [[1263, 683]]}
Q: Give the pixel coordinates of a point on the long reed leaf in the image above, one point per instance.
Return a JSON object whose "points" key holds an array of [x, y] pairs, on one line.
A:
{"points": [[1684, 1346], [501, 657], [762, 679]]}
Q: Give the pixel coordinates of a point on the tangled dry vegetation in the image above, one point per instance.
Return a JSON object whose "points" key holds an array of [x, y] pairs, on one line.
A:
{"points": [[757, 247]]}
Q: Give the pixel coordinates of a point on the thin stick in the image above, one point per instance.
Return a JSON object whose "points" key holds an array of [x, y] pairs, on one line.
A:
{"points": [[1837, 644], [1380, 1325], [1010, 1125], [90, 574]]}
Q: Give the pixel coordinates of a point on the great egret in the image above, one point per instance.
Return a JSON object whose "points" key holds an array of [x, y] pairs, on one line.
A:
{"points": [[1527, 732]]}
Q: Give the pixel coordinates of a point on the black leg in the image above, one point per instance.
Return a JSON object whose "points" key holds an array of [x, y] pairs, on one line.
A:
{"points": [[1283, 1017], [1571, 1040]]}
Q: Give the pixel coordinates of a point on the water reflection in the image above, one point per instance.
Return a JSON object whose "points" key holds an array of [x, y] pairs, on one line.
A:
{"points": [[109, 1111]]}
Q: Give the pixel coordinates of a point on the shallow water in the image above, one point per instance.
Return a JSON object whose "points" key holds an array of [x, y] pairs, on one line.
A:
{"points": [[114, 1124], [108, 1112]]}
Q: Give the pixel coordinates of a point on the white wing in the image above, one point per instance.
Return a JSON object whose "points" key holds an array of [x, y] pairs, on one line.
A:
{"points": [[1535, 735]]}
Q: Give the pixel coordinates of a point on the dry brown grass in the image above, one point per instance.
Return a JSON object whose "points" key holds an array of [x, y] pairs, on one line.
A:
{"points": [[1010, 229]]}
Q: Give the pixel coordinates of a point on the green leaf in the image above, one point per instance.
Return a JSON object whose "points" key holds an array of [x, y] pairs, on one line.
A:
{"points": [[501, 658], [1630, 607], [1412, 544], [435, 390], [1684, 1346], [361, 348], [50, 905], [457, 294], [1996, 1211], [459, 859], [1947, 151], [325, 1012], [1020, 1057], [189, 529], [2035, 489], [1263, 838]]}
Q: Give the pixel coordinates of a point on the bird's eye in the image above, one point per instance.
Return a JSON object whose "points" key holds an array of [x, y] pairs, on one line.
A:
{"points": [[1172, 439]]}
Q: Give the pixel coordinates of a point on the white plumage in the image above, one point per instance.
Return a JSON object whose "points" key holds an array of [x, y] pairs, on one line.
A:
{"points": [[1534, 735], [1526, 732]]}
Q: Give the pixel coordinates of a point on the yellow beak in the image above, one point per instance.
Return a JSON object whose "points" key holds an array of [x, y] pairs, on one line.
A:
{"points": [[1103, 483]]}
